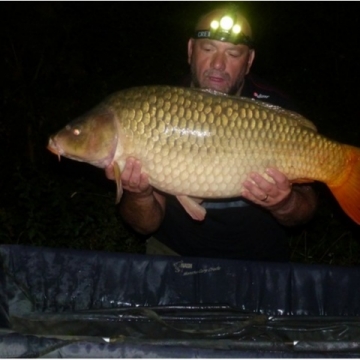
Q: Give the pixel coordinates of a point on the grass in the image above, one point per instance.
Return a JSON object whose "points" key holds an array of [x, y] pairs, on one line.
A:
{"points": [[63, 210], [327, 249], [329, 238]]}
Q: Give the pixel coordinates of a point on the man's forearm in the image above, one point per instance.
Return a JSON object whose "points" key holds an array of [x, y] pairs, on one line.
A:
{"points": [[142, 212], [298, 208]]}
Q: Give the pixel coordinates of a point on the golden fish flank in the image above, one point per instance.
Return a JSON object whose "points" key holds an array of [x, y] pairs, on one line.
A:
{"points": [[193, 143]]}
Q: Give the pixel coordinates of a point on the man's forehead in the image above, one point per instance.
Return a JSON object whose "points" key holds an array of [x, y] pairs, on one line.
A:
{"points": [[222, 44]]}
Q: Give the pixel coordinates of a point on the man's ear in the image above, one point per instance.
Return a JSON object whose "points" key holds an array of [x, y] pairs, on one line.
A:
{"points": [[190, 49], [250, 61]]}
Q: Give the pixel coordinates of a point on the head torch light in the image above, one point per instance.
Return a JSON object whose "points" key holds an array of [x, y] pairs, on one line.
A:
{"points": [[226, 29]]}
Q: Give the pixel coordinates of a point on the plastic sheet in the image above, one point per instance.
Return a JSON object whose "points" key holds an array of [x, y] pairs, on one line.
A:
{"points": [[64, 303]]}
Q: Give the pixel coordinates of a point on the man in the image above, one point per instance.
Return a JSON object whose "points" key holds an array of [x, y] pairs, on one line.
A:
{"points": [[250, 227]]}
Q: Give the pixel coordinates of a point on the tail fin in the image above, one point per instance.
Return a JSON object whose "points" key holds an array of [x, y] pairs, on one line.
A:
{"points": [[348, 192]]}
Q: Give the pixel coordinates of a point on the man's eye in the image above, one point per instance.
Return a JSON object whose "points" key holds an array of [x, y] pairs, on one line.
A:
{"points": [[207, 48], [234, 54]]}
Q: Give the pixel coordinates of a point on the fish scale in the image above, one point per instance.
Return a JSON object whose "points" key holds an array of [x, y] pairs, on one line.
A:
{"points": [[197, 143], [162, 141]]}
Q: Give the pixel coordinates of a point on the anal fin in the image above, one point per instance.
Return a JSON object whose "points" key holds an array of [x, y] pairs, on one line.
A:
{"points": [[193, 208]]}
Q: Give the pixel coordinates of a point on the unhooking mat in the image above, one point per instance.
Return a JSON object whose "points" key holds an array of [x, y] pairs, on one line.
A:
{"points": [[67, 303]]}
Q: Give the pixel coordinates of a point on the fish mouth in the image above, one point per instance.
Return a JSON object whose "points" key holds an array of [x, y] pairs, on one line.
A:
{"points": [[52, 147]]}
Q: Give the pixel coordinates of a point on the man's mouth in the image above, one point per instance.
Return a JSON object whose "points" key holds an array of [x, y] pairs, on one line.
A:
{"points": [[216, 79]]}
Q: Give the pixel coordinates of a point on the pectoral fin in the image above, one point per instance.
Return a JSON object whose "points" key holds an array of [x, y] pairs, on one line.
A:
{"points": [[119, 189], [194, 209]]}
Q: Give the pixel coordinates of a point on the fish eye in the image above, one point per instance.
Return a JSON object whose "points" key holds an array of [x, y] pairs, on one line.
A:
{"points": [[76, 131]]}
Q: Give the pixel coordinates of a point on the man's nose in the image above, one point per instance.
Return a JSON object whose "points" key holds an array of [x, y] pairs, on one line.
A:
{"points": [[218, 61]]}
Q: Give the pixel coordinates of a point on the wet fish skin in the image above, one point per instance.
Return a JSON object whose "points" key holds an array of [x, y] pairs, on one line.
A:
{"points": [[193, 143]]}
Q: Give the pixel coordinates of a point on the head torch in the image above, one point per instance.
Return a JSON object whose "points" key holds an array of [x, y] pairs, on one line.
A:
{"points": [[226, 29]]}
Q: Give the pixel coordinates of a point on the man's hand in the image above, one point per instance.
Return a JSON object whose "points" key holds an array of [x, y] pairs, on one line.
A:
{"points": [[290, 205], [141, 207], [264, 193], [132, 178]]}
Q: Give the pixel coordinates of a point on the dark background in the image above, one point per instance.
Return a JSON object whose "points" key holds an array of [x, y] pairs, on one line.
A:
{"points": [[62, 58]]}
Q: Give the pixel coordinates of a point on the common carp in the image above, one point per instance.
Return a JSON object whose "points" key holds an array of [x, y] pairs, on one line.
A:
{"points": [[198, 144]]}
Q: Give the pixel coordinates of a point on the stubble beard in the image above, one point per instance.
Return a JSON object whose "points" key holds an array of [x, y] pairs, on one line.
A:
{"points": [[234, 90]]}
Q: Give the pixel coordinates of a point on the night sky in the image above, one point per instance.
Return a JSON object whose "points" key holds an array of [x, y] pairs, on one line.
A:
{"points": [[308, 49], [62, 58]]}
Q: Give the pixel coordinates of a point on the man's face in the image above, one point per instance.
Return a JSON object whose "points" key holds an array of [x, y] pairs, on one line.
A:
{"points": [[218, 65]]}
